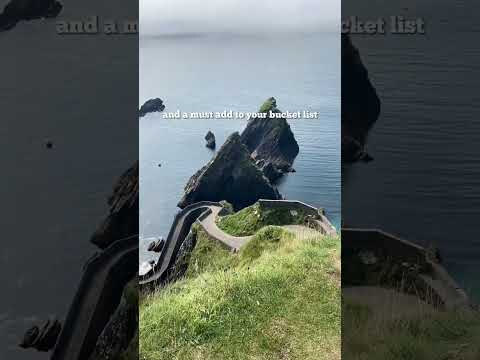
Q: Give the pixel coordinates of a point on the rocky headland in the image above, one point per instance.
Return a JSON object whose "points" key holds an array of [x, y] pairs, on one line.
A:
{"points": [[18, 10], [232, 176], [122, 219], [151, 106], [360, 104], [271, 142]]}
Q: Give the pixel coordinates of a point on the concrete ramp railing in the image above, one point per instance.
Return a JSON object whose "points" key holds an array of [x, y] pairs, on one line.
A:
{"points": [[354, 240], [180, 228], [436, 280], [96, 299], [200, 211], [321, 221], [290, 205]]}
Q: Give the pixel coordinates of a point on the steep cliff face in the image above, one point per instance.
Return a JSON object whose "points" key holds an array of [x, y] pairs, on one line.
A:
{"points": [[232, 176], [122, 220], [360, 104], [271, 142]]}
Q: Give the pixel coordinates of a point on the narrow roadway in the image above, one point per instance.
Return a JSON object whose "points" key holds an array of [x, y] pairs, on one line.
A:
{"points": [[178, 232], [205, 213], [96, 299], [210, 225]]}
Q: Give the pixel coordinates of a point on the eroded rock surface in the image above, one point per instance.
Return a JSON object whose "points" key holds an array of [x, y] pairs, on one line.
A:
{"points": [[360, 104], [157, 245], [150, 106], [232, 176], [122, 220], [271, 142], [44, 338], [210, 138]]}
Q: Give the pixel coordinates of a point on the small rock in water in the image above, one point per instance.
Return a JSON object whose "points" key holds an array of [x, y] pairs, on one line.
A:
{"points": [[156, 246], [29, 337], [150, 106], [210, 138], [44, 339]]}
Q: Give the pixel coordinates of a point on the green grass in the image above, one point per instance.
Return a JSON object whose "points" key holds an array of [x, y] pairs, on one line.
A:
{"points": [[436, 336], [278, 298], [269, 238], [208, 255], [267, 106], [251, 219]]}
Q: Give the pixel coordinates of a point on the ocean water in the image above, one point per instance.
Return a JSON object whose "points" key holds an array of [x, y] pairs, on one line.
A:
{"points": [[216, 73], [424, 182]]}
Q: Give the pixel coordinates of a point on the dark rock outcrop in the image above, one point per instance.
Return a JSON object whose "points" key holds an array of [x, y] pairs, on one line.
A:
{"points": [[360, 104], [232, 176], [353, 150], [150, 106], [122, 220], [43, 339], [156, 246], [210, 138], [271, 142], [18, 10]]}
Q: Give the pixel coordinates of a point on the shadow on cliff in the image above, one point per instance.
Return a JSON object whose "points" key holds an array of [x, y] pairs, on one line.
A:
{"points": [[360, 105]]}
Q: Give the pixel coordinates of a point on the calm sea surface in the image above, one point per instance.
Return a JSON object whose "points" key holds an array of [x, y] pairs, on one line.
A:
{"points": [[214, 73], [425, 180]]}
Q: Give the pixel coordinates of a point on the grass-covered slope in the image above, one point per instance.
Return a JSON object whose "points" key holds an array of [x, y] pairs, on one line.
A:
{"points": [[251, 219], [432, 336], [278, 298]]}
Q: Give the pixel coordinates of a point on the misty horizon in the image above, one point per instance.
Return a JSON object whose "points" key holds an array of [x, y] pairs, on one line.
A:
{"points": [[175, 17]]}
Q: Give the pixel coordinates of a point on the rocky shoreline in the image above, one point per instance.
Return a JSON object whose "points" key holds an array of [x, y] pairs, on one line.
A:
{"points": [[360, 104]]}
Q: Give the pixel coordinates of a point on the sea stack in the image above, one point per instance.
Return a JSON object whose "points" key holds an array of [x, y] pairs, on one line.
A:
{"points": [[360, 104], [210, 138], [271, 141], [232, 176]]}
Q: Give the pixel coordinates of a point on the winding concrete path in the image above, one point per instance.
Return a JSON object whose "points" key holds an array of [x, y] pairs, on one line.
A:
{"points": [[178, 232], [97, 297], [204, 213], [209, 224]]}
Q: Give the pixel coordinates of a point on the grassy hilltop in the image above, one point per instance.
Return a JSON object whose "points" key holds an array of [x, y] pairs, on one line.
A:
{"points": [[278, 298], [251, 219]]}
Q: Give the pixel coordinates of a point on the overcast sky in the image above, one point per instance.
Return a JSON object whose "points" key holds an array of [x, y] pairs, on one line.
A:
{"points": [[172, 16]]}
